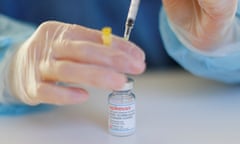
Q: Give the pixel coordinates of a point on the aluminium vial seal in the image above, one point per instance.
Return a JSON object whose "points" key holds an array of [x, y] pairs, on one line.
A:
{"points": [[128, 85]]}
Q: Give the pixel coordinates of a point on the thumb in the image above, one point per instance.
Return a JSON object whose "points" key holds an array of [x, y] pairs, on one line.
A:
{"points": [[219, 9]]}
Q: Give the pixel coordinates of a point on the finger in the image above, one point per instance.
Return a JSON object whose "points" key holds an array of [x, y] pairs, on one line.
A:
{"points": [[171, 3], [181, 10], [52, 94], [219, 9], [71, 72], [117, 43], [91, 53], [129, 48], [79, 33], [176, 5]]}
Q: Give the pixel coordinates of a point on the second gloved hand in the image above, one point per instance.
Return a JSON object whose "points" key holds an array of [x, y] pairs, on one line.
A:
{"points": [[59, 52], [203, 25]]}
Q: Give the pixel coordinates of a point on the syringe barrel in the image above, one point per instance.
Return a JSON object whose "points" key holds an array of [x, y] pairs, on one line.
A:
{"points": [[132, 13]]}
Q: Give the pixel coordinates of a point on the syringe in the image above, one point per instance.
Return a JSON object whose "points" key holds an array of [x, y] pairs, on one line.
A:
{"points": [[132, 13]]}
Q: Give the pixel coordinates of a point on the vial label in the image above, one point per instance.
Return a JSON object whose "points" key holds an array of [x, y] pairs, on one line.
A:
{"points": [[122, 119]]}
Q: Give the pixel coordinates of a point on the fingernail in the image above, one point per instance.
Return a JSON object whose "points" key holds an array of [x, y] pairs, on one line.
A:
{"points": [[139, 67], [139, 55]]}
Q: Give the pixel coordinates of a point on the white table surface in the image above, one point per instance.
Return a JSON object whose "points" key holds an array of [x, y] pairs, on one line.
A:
{"points": [[173, 107]]}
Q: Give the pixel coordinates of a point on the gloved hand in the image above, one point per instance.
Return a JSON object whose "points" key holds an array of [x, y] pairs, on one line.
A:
{"points": [[59, 52], [203, 25]]}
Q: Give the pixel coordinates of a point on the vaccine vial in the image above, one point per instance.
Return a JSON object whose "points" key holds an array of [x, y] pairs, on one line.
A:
{"points": [[122, 112]]}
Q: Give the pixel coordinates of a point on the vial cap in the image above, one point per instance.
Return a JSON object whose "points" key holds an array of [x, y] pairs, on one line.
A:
{"points": [[128, 85]]}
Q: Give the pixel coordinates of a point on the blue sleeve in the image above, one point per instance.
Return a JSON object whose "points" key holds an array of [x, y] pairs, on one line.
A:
{"points": [[221, 68], [12, 34]]}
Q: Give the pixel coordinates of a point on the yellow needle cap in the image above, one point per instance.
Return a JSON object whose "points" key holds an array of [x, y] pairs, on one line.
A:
{"points": [[107, 35]]}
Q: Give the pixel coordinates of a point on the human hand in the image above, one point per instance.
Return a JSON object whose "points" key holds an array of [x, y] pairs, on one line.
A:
{"points": [[203, 24], [59, 52]]}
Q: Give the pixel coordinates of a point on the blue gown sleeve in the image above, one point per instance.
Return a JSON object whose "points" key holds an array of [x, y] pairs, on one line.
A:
{"points": [[220, 68], [12, 34]]}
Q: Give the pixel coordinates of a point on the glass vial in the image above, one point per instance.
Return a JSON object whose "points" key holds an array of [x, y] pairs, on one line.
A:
{"points": [[122, 112]]}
